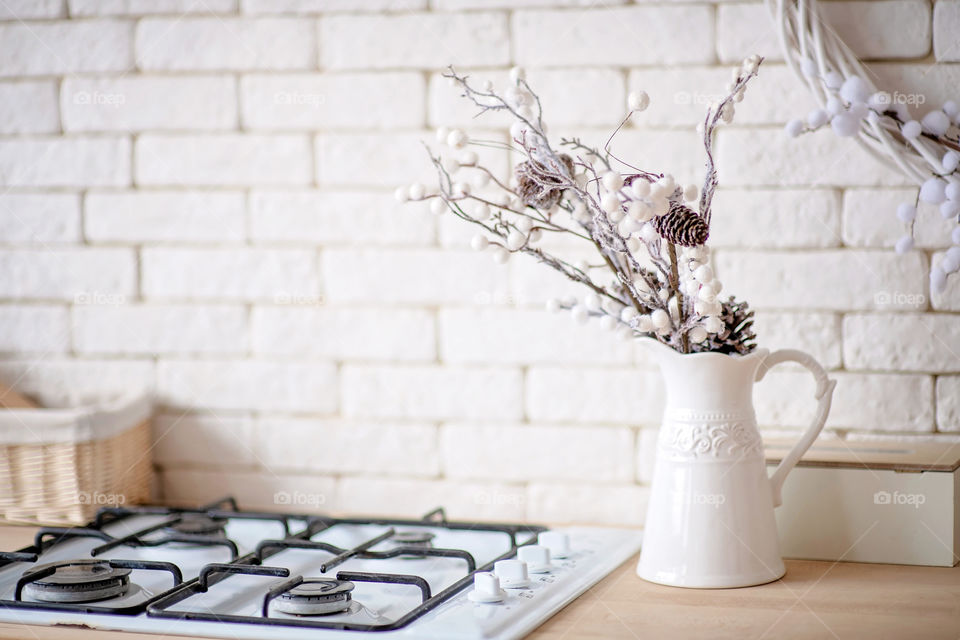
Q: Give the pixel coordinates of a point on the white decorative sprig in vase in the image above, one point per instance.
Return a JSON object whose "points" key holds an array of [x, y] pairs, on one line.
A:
{"points": [[652, 276], [650, 279]]}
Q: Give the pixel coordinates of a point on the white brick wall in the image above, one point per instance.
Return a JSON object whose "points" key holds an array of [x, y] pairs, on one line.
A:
{"points": [[196, 199]]}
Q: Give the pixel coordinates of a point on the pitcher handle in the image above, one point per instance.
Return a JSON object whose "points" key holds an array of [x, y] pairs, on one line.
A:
{"points": [[824, 395]]}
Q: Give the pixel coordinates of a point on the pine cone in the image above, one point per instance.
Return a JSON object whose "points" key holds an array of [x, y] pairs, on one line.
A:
{"points": [[737, 335], [535, 187], [681, 225]]}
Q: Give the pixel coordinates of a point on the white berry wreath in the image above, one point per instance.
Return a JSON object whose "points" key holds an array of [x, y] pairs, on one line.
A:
{"points": [[926, 151]]}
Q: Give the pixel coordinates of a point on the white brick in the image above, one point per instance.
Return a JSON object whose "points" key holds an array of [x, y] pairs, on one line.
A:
{"points": [[67, 383], [29, 107], [946, 30], [50, 48], [26, 9], [580, 97], [874, 402], [41, 218], [646, 453], [612, 395], [223, 160], [870, 220], [432, 392], [344, 334], [768, 157], [417, 276], [337, 217], [139, 103], [155, 329], [530, 452], [308, 7], [148, 7], [36, 328], [949, 299], [254, 490], [535, 336], [619, 505], [816, 333], [773, 97], [329, 101], [533, 283], [494, 501], [881, 28], [248, 385], [948, 403], [234, 274], [334, 446], [902, 342], [627, 36], [414, 40], [775, 218], [164, 216], [837, 280], [65, 162], [80, 274], [745, 29], [456, 5], [183, 438], [216, 43], [679, 153], [389, 159]]}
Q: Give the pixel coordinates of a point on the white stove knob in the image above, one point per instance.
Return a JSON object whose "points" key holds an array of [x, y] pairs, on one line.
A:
{"points": [[486, 588], [557, 542], [512, 574], [537, 558]]}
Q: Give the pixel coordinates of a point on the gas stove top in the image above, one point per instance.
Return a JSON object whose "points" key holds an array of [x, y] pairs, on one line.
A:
{"points": [[221, 572]]}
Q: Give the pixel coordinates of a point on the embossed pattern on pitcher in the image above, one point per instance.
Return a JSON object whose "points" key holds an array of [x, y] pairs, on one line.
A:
{"points": [[726, 436]]}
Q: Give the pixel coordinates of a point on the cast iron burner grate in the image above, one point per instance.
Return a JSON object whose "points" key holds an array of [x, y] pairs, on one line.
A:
{"points": [[197, 524], [80, 580]]}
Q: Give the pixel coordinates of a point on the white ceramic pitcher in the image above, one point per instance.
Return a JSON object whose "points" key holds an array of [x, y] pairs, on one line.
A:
{"points": [[710, 521]]}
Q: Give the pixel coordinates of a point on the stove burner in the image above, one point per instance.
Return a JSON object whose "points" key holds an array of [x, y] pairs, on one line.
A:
{"points": [[316, 597], [196, 524], [419, 539], [82, 580]]}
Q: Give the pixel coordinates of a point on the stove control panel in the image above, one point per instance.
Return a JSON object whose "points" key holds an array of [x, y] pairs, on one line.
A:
{"points": [[521, 593]]}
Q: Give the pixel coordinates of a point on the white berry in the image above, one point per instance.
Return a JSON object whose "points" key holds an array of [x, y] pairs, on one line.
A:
{"points": [[817, 118], [713, 324], [553, 305], [660, 319], [501, 255], [638, 101], [457, 139], [936, 122], [610, 203], [515, 240], [794, 128], [697, 334], [580, 314], [479, 242], [934, 191], [703, 273], [911, 130], [906, 212], [402, 194], [845, 125], [690, 192], [640, 188], [517, 74], [612, 181], [904, 244]]}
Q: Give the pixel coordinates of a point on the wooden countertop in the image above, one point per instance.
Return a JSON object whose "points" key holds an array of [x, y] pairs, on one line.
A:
{"points": [[814, 600]]}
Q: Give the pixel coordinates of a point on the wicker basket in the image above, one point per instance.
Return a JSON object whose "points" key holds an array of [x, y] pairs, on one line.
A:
{"points": [[58, 466]]}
